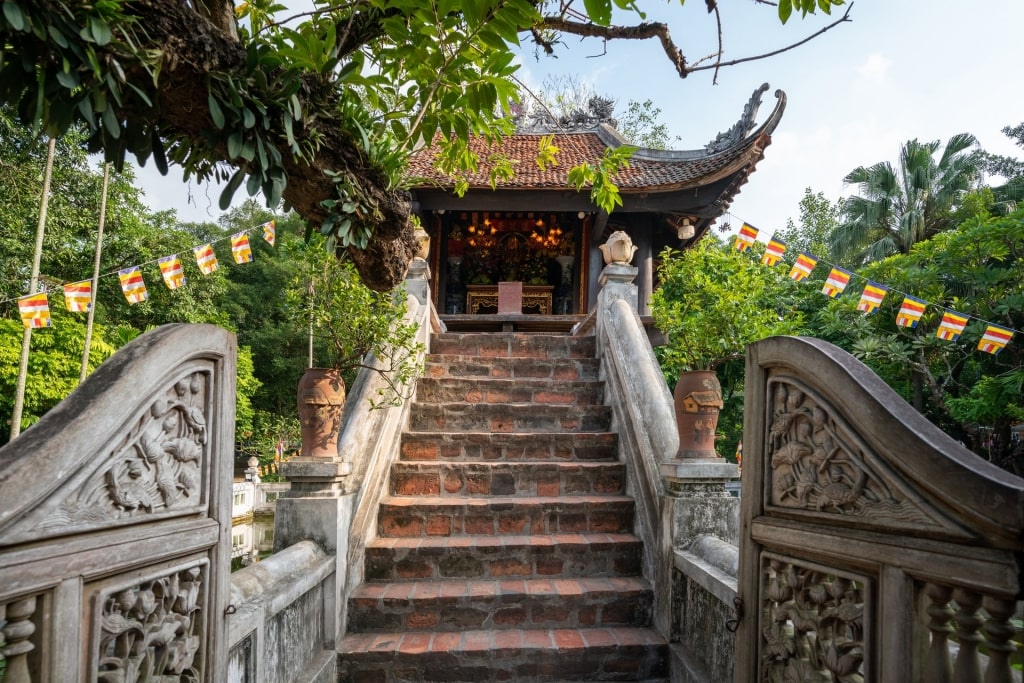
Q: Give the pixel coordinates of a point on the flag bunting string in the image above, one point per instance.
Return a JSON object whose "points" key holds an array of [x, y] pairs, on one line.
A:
{"points": [[912, 308], [78, 296]]}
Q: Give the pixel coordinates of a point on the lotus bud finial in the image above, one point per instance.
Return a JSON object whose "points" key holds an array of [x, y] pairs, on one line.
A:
{"points": [[618, 249]]}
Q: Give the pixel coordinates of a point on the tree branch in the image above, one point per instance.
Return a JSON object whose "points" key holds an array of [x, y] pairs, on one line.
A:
{"points": [[717, 65]]}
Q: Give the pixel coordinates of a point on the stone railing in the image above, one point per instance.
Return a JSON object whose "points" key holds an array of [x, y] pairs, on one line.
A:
{"points": [[686, 518], [115, 510], [874, 546]]}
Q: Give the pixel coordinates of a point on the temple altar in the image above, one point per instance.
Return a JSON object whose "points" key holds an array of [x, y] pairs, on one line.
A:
{"points": [[484, 299]]}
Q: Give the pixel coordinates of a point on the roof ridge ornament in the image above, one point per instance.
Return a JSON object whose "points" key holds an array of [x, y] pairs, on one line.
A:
{"points": [[540, 120], [734, 135]]}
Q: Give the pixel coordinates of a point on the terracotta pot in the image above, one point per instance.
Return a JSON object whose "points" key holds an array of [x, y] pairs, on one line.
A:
{"points": [[321, 398], [698, 400]]}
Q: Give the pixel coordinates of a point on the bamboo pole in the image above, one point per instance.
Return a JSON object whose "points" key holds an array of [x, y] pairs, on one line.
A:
{"points": [[95, 275], [26, 339]]}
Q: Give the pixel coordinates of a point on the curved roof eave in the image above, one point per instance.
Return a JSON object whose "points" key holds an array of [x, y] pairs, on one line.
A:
{"points": [[614, 139]]}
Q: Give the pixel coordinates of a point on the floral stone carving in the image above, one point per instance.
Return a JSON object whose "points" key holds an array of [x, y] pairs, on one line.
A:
{"points": [[812, 627], [154, 631], [817, 464], [157, 466]]}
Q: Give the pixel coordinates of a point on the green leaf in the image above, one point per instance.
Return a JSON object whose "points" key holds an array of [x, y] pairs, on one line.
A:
{"points": [[14, 16], [111, 123], [100, 31], [215, 112], [159, 155], [230, 188], [600, 11], [785, 10], [234, 144], [69, 79], [347, 70]]}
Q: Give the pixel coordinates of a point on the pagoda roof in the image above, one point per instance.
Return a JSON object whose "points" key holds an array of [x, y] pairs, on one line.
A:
{"points": [[733, 153]]}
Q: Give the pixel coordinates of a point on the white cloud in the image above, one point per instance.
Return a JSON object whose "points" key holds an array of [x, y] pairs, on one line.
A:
{"points": [[874, 68]]}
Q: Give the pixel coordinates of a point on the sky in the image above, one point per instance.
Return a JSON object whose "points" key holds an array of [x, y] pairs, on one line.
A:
{"points": [[925, 69]]}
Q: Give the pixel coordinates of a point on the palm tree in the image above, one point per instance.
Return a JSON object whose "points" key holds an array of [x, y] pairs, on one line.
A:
{"points": [[896, 208]]}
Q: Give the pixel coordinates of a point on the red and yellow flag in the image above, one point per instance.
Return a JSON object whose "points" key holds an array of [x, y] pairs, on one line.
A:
{"points": [[773, 252], [746, 238], [836, 282], [951, 326], [132, 285], [170, 268], [205, 258], [240, 248], [804, 265], [270, 232], [34, 310], [78, 296], [910, 312], [994, 339], [872, 297]]}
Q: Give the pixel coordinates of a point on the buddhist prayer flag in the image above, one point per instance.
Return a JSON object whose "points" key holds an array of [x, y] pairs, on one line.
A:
{"points": [[994, 339], [910, 312], [951, 326], [78, 296], [836, 282], [206, 259], [34, 310], [170, 268], [132, 285], [773, 252], [240, 248], [746, 238], [872, 297], [269, 232], [804, 265]]}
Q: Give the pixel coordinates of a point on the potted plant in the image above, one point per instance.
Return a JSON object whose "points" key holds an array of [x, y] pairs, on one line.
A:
{"points": [[349, 325], [712, 301]]}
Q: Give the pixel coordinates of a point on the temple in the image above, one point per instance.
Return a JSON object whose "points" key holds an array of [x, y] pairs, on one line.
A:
{"points": [[538, 233]]}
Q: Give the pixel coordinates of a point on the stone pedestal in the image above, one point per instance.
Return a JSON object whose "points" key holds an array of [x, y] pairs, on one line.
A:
{"points": [[697, 502], [318, 508]]}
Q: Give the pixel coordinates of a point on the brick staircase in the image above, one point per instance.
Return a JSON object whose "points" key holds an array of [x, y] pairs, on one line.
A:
{"points": [[505, 549]]}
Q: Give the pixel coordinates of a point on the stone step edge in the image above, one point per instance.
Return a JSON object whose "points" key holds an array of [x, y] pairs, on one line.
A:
{"points": [[458, 589], [515, 464], [557, 640], [470, 541], [506, 502]]}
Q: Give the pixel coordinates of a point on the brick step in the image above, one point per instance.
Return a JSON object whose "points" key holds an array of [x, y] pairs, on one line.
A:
{"points": [[512, 345], [516, 417], [460, 366], [588, 654], [509, 447], [503, 557], [459, 604], [481, 390], [506, 478], [422, 516]]}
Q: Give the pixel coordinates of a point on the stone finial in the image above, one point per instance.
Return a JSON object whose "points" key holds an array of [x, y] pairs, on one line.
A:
{"points": [[618, 249], [423, 240]]}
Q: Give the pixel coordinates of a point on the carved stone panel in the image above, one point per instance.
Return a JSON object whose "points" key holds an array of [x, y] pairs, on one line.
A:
{"points": [[160, 465], [818, 465], [151, 628], [813, 623]]}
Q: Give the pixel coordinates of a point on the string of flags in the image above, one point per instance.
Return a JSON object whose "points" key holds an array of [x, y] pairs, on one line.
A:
{"points": [[78, 296], [993, 340]]}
